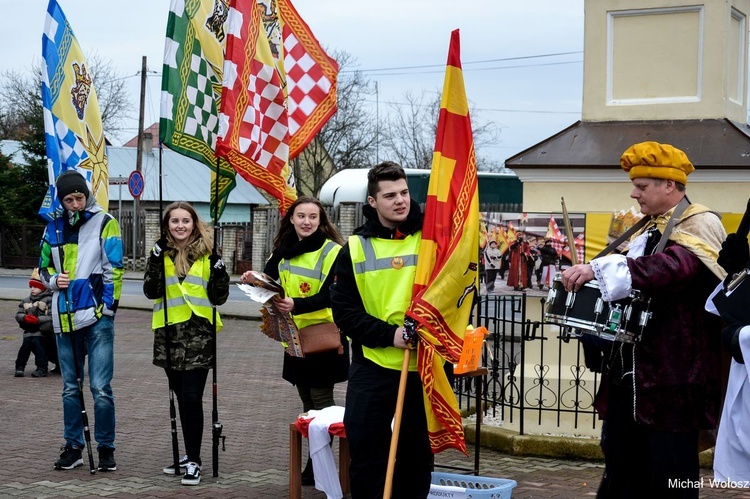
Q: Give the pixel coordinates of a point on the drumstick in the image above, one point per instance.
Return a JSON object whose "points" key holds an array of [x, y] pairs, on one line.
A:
{"points": [[569, 233], [744, 227]]}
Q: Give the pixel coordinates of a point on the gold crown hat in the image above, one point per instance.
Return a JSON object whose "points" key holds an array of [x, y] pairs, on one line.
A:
{"points": [[655, 160]]}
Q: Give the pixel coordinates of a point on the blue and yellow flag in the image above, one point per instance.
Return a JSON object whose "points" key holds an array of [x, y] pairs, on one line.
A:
{"points": [[446, 279], [72, 122]]}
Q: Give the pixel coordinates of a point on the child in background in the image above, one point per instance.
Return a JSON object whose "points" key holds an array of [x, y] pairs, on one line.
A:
{"points": [[35, 318]]}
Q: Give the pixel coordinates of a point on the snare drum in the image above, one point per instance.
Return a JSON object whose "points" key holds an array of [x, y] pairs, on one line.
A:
{"points": [[585, 310]]}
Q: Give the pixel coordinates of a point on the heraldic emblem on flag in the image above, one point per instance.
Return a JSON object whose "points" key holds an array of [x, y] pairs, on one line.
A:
{"points": [[446, 275], [73, 129], [261, 127], [191, 88], [279, 90]]}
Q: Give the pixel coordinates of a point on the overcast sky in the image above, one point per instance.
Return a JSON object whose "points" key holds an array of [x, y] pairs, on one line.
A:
{"points": [[523, 61]]}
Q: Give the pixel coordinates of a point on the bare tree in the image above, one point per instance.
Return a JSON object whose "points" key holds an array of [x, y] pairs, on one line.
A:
{"points": [[409, 136], [114, 103], [410, 131], [18, 103], [352, 136], [347, 140], [20, 98]]}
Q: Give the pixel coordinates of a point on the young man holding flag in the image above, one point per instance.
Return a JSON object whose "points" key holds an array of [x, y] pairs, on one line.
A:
{"points": [[81, 262], [81, 250], [372, 290], [394, 273]]}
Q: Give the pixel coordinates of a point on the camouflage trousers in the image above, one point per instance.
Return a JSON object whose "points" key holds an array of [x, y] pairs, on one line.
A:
{"points": [[191, 345]]}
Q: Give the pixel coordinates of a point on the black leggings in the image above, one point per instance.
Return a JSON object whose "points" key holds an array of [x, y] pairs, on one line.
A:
{"points": [[188, 388]]}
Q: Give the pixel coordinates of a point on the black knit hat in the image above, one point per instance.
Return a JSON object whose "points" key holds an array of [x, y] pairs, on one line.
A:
{"points": [[69, 182]]}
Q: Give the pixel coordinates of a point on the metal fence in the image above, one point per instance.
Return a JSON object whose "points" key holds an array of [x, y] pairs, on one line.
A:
{"points": [[129, 246], [239, 251], [536, 375], [19, 245]]}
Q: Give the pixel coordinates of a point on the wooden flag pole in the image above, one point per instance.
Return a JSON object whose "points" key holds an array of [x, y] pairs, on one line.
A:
{"points": [[396, 426], [569, 233]]}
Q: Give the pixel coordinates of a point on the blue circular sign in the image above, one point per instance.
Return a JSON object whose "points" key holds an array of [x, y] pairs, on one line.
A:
{"points": [[135, 184]]}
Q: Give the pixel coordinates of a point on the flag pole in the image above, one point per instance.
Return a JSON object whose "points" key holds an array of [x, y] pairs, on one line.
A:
{"points": [[216, 426], [396, 425], [172, 409], [569, 234]]}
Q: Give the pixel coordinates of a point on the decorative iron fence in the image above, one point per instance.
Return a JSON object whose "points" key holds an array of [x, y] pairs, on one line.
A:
{"points": [[537, 381]]}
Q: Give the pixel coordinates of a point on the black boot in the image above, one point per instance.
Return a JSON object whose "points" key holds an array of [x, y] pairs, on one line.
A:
{"points": [[308, 478]]}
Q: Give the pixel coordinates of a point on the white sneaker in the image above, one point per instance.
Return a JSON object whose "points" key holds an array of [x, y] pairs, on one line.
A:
{"points": [[169, 470], [192, 474]]}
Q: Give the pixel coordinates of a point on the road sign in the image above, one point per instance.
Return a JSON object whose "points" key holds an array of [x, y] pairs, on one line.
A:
{"points": [[118, 180], [135, 184]]}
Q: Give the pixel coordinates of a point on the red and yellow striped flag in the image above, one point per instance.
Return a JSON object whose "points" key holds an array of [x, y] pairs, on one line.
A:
{"points": [[446, 280]]}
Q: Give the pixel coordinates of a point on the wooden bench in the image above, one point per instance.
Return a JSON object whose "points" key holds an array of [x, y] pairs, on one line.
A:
{"points": [[295, 463]]}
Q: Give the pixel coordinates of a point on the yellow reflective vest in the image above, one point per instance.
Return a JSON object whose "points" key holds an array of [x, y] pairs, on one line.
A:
{"points": [[384, 270], [187, 297], [303, 276]]}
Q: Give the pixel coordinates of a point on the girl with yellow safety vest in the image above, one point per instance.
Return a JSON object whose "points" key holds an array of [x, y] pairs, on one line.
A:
{"points": [[195, 281], [305, 248]]}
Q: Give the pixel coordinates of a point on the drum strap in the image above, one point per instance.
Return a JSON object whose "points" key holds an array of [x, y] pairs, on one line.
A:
{"points": [[624, 237], [679, 209]]}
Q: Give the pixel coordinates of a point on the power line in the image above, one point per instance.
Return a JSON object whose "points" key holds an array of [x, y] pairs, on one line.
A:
{"points": [[441, 71], [401, 68], [483, 109], [136, 75], [527, 111], [373, 72]]}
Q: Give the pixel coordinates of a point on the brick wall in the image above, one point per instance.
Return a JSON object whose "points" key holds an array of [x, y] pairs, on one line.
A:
{"points": [[266, 224]]}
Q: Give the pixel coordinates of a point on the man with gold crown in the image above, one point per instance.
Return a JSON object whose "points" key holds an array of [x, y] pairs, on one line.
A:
{"points": [[657, 393]]}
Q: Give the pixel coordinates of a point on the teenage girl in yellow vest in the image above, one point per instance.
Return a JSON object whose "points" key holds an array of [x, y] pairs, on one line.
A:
{"points": [[304, 251], [195, 281]]}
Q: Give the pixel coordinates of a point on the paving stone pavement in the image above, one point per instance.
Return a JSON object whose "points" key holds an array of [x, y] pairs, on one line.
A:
{"points": [[255, 405]]}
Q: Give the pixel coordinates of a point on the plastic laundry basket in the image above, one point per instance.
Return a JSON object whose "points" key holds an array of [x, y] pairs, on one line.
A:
{"points": [[475, 487]]}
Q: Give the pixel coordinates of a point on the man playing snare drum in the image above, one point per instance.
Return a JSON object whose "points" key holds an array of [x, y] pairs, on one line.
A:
{"points": [[658, 392]]}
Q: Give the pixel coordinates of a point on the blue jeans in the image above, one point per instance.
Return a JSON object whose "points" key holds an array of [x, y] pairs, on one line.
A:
{"points": [[96, 341]]}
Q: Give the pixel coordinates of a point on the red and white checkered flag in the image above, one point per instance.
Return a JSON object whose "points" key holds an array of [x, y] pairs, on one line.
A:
{"points": [[279, 90], [580, 243], [253, 121], [311, 79], [555, 235]]}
